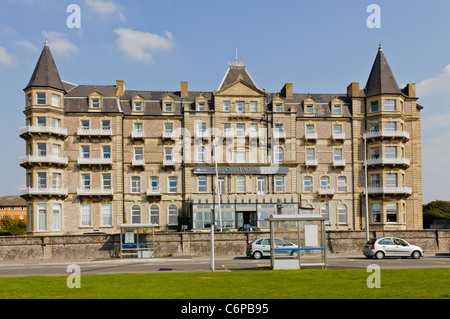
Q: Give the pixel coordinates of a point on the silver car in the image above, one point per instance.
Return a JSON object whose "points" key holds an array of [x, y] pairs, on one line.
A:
{"points": [[261, 248], [391, 247]]}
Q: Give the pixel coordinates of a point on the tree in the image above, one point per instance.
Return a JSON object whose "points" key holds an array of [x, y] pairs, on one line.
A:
{"points": [[12, 227], [435, 210]]}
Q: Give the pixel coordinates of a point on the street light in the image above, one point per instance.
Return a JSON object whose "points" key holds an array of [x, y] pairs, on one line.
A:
{"points": [[367, 193]]}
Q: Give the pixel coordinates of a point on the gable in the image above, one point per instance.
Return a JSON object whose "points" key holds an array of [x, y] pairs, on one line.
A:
{"points": [[240, 88]]}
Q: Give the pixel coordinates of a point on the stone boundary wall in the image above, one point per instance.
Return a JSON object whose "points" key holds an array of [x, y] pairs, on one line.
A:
{"points": [[189, 244]]}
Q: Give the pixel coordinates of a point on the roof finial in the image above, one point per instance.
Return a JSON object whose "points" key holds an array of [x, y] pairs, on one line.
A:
{"points": [[380, 48], [46, 42]]}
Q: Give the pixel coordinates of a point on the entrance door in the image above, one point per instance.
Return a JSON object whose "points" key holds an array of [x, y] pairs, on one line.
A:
{"points": [[246, 219]]}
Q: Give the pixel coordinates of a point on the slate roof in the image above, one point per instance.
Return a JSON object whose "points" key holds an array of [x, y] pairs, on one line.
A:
{"points": [[45, 73], [12, 200], [232, 74]]}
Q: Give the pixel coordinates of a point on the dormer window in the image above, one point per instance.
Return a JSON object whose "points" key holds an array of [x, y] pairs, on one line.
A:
{"points": [[138, 106], [309, 109], [277, 108], [95, 103], [201, 106], [168, 107], [337, 109]]}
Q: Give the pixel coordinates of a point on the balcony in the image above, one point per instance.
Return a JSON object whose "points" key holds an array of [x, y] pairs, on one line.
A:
{"points": [[326, 191], [88, 132], [338, 163], [95, 192], [281, 135], [338, 136], [168, 162], [389, 190], [40, 130], [44, 191], [94, 161], [138, 162], [310, 136], [137, 134], [28, 161], [168, 135], [311, 162], [387, 134], [154, 191], [202, 135], [396, 161]]}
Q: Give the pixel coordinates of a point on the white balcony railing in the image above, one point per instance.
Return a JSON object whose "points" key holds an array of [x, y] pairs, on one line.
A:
{"points": [[338, 136], [155, 191], [168, 135], [93, 132], [138, 162], [202, 134], [44, 159], [137, 134], [47, 191], [94, 161], [95, 192], [279, 134], [168, 162], [389, 190], [43, 129], [312, 162], [326, 191], [388, 161], [310, 136], [387, 133], [338, 162]]}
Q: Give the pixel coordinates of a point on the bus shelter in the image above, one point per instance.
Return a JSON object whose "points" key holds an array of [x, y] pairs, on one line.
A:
{"points": [[135, 240], [297, 241]]}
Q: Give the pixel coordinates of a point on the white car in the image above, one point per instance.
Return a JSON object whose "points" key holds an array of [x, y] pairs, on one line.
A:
{"points": [[391, 247], [261, 248]]}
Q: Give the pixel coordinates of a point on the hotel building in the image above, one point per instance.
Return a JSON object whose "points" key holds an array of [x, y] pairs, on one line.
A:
{"points": [[99, 156]]}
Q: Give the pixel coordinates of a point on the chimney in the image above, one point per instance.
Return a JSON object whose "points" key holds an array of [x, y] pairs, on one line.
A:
{"points": [[286, 91], [353, 90], [411, 89], [120, 85], [184, 89]]}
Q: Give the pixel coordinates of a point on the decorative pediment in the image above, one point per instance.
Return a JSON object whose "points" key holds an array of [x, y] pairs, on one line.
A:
{"points": [[240, 88]]}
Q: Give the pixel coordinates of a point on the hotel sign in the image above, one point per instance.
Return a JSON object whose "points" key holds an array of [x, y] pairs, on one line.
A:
{"points": [[254, 170]]}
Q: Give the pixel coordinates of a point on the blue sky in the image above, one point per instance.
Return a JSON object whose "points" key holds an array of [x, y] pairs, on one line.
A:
{"points": [[320, 46]]}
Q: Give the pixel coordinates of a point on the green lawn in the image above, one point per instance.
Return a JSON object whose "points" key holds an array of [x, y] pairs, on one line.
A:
{"points": [[257, 284]]}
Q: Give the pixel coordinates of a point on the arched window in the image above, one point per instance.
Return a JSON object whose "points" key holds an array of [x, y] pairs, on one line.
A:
{"points": [[306, 211], [173, 214], [342, 214], [135, 214], [325, 211], [278, 155], [154, 214]]}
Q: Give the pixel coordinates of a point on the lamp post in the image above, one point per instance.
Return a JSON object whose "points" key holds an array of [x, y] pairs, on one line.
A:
{"points": [[366, 191]]}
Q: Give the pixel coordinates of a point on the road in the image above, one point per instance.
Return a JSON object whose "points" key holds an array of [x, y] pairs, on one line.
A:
{"points": [[194, 264]]}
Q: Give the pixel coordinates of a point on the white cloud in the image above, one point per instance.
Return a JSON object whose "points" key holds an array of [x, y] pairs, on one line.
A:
{"points": [[26, 45], [438, 84], [105, 8], [139, 45], [59, 44], [6, 58], [434, 122]]}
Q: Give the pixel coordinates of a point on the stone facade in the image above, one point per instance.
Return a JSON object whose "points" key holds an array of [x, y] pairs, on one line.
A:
{"points": [[100, 156]]}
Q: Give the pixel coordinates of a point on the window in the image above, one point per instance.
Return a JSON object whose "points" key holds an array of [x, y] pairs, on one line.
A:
{"points": [[106, 150], [310, 154], [85, 215], [325, 211], [390, 105], [42, 149], [226, 106], [201, 128], [342, 184], [154, 214], [138, 127], [168, 154], [56, 216], [240, 107], [168, 128], [29, 99], [56, 100], [375, 180], [336, 109], [85, 151], [376, 213], [95, 103], [253, 129], [391, 212], [240, 130], [106, 125], [391, 180], [173, 215], [342, 214], [309, 128], [173, 184], [279, 184], [221, 182], [42, 121], [309, 109], [374, 153], [374, 127], [374, 106], [240, 157], [40, 98], [138, 106], [278, 155], [279, 128], [325, 182], [253, 106], [136, 214], [168, 107], [337, 154], [201, 154], [42, 180], [390, 152], [277, 108], [240, 184], [138, 153], [135, 184], [85, 124], [201, 106], [307, 184], [227, 129], [56, 150], [107, 215], [390, 126], [42, 216], [56, 123], [261, 181], [201, 184], [154, 183], [86, 181], [106, 181], [56, 180], [337, 129]]}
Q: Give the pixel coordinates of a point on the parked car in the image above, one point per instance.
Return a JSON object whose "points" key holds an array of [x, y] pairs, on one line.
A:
{"points": [[391, 247], [261, 248], [249, 228]]}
